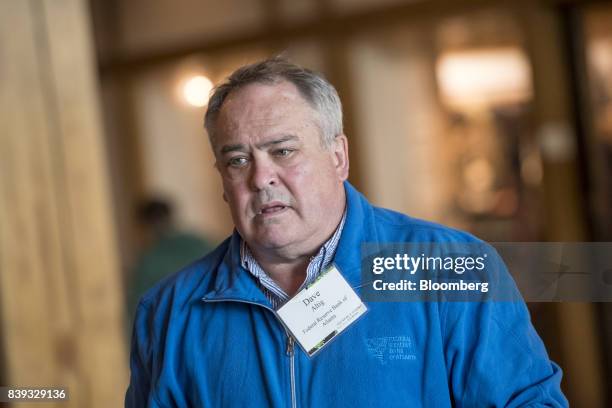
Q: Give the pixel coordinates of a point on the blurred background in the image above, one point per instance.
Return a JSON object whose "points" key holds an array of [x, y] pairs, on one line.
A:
{"points": [[490, 116]]}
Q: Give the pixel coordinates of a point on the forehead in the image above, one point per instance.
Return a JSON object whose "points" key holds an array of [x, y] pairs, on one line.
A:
{"points": [[260, 107]]}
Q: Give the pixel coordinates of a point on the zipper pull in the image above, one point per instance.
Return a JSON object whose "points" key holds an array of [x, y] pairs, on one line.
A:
{"points": [[290, 346]]}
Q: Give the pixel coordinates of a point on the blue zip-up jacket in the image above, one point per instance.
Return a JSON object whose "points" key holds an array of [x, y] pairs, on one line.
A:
{"points": [[207, 337]]}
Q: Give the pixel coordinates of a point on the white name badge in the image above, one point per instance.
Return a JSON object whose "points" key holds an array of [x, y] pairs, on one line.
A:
{"points": [[321, 311]]}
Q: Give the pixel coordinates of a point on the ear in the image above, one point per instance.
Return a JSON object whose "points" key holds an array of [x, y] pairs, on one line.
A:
{"points": [[341, 159]]}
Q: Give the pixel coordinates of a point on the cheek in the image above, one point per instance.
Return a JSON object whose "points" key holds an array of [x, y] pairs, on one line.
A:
{"points": [[308, 183], [316, 174], [297, 173], [234, 194], [299, 181], [307, 169]]}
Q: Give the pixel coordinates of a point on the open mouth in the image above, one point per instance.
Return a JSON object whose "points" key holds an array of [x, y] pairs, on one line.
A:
{"points": [[272, 209]]}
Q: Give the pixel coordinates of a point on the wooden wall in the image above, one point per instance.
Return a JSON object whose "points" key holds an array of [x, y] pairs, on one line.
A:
{"points": [[577, 336], [60, 294]]}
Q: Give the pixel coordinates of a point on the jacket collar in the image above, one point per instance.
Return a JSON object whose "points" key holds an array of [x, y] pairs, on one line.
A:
{"points": [[233, 282]]}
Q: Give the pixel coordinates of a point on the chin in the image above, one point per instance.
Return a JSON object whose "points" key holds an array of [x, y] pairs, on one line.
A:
{"points": [[273, 240], [273, 243]]}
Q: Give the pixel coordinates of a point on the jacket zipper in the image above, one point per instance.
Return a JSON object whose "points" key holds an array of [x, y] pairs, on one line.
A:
{"points": [[290, 343], [291, 354]]}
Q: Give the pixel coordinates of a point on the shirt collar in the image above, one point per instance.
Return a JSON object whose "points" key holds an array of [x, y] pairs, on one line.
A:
{"points": [[323, 257]]}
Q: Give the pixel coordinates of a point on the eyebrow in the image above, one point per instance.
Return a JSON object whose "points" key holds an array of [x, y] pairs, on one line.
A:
{"points": [[243, 147], [282, 139], [232, 148]]}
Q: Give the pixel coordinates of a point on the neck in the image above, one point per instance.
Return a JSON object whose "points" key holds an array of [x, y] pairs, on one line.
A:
{"points": [[289, 275], [288, 268]]}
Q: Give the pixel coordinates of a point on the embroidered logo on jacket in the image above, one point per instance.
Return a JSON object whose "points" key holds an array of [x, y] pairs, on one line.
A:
{"points": [[392, 348]]}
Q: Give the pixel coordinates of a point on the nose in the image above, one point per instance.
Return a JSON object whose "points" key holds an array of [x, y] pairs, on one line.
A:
{"points": [[263, 174]]}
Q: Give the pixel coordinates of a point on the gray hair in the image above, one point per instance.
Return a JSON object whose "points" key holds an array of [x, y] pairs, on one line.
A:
{"points": [[313, 87]]}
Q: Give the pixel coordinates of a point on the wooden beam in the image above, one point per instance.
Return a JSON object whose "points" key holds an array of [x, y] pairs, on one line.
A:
{"points": [[332, 25], [335, 25], [562, 196], [60, 297]]}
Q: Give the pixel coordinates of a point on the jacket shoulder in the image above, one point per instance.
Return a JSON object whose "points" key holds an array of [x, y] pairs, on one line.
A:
{"points": [[395, 225]]}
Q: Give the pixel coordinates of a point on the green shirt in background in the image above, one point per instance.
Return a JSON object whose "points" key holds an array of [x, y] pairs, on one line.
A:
{"points": [[168, 254]]}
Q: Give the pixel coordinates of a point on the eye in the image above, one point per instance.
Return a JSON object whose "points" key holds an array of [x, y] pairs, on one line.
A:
{"points": [[283, 152], [237, 161]]}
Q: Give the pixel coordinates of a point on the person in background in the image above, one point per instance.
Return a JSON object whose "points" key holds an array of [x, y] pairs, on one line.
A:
{"points": [[166, 248]]}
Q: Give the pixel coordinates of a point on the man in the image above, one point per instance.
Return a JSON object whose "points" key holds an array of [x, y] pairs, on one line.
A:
{"points": [[212, 334]]}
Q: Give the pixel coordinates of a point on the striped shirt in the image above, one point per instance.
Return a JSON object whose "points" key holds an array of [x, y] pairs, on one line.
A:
{"points": [[274, 293]]}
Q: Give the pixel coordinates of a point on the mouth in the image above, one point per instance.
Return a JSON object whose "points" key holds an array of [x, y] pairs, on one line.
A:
{"points": [[272, 208]]}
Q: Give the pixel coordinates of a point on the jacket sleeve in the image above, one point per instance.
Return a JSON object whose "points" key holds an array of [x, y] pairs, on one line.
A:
{"points": [[139, 393], [494, 356]]}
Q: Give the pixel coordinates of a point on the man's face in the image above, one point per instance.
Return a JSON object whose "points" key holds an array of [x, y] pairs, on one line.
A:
{"points": [[283, 187]]}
